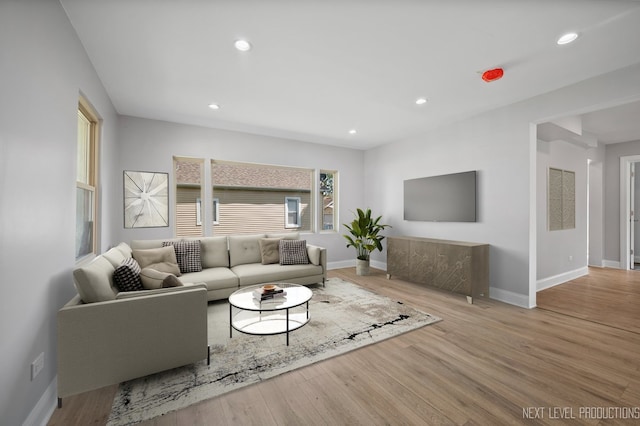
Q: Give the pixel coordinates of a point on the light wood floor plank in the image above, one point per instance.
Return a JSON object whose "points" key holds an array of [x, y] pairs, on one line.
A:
{"points": [[483, 364]]}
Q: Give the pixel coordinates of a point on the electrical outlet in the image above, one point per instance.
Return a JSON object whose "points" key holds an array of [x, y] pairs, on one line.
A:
{"points": [[570, 258], [37, 365]]}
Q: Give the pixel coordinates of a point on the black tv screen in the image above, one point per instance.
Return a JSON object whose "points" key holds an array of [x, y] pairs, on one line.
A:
{"points": [[445, 198]]}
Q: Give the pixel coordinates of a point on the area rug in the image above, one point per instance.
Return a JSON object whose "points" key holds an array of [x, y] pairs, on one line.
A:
{"points": [[343, 315]]}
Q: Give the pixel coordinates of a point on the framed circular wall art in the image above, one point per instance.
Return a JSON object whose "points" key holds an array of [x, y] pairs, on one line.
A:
{"points": [[146, 199]]}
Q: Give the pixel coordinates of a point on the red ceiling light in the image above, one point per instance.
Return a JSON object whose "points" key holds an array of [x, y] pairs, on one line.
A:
{"points": [[492, 75]]}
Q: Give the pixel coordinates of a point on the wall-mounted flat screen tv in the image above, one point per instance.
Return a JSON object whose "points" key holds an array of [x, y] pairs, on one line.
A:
{"points": [[445, 198]]}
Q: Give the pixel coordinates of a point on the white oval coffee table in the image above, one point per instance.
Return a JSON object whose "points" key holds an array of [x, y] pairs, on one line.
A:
{"points": [[279, 315]]}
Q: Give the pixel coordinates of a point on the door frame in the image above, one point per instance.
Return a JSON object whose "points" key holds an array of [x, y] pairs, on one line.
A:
{"points": [[625, 209]]}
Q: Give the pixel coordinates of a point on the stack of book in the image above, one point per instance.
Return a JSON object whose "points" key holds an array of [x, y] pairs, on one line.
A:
{"points": [[268, 294]]}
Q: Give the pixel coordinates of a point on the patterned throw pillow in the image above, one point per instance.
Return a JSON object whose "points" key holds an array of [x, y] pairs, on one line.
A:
{"points": [[127, 276], [187, 254], [293, 252]]}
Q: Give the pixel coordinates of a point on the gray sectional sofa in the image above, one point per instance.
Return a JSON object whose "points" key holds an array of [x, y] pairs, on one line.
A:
{"points": [[229, 263], [107, 336]]}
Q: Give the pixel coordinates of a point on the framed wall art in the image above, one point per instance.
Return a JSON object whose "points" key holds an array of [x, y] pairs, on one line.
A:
{"points": [[146, 199], [561, 201]]}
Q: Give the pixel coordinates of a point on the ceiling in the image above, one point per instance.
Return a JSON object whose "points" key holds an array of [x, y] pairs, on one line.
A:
{"points": [[318, 69]]}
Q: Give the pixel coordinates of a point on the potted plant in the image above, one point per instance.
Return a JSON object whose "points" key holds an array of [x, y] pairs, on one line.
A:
{"points": [[365, 237]]}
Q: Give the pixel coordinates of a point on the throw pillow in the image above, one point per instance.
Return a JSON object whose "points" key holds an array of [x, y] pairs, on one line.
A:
{"points": [[293, 252], [269, 250], [172, 281], [153, 279], [187, 254], [127, 276], [161, 259]]}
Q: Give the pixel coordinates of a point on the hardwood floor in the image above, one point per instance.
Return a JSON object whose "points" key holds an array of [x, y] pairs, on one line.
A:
{"points": [[606, 296], [485, 364]]}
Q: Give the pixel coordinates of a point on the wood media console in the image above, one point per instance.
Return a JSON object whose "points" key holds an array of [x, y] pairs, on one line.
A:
{"points": [[457, 266]]}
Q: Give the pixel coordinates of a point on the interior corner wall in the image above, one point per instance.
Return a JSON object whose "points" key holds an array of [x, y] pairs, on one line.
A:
{"points": [[498, 145], [149, 145], [596, 206], [612, 201], [43, 69], [561, 254]]}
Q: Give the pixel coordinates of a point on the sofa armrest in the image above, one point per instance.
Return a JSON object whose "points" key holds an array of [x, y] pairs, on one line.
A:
{"points": [[105, 343], [318, 256], [140, 293]]}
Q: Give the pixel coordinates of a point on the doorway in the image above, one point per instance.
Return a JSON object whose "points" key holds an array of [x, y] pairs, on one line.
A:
{"points": [[630, 212]]}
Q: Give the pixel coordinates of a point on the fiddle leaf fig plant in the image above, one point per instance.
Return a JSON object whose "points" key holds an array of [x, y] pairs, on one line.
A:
{"points": [[365, 233]]}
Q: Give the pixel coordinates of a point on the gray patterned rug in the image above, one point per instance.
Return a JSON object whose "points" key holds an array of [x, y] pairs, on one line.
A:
{"points": [[344, 317]]}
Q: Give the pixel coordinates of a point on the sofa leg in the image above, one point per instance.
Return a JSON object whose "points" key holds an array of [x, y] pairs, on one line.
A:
{"points": [[59, 402], [208, 355]]}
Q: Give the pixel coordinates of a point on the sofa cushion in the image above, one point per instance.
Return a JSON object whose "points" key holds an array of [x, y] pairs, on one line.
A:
{"points": [[153, 279], [94, 282], [162, 259], [314, 253], [127, 276], [115, 256], [293, 252], [213, 278], [244, 249], [269, 250], [257, 273], [150, 244], [285, 235], [214, 252], [125, 249], [187, 255]]}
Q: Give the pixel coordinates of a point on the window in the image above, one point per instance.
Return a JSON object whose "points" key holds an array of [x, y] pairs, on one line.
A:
{"points": [[216, 217], [86, 180], [328, 200], [254, 198], [292, 212], [188, 177], [216, 211]]}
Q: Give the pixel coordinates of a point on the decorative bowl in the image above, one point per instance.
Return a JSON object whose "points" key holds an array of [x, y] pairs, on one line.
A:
{"points": [[269, 287]]}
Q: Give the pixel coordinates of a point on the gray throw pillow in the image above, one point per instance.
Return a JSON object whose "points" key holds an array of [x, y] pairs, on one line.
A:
{"points": [[293, 252], [153, 279], [269, 250], [187, 255], [127, 276], [161, 259]]}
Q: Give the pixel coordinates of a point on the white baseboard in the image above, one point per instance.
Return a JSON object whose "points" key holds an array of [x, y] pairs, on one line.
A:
{"points": [[378, 265], [561, 278], [509, 297], [43, 410], [352, 263], [341, 264], [611, 264]]}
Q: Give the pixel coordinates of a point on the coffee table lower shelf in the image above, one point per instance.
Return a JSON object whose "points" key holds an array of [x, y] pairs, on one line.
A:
{"points": [[267, 323]]}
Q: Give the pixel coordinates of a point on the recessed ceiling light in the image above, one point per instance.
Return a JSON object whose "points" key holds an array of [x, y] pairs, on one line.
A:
{"points": [[214, 106], [352, 132], [242, 45], [567, 38], [421, 101]]}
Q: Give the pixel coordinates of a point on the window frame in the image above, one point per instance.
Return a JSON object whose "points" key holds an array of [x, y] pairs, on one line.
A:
{"points": [[298, 212], [199, 213], [92, 184], [334, 195], [231, 189]]}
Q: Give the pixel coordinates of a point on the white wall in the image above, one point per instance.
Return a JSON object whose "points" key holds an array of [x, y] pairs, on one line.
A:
{"points": [[149, 145], [561, 254], [612, 197], [596, 206], [43, 68], [501, 146]]}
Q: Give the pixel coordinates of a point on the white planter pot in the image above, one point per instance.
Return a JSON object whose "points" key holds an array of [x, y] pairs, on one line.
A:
{"points": [[362, 267]]}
